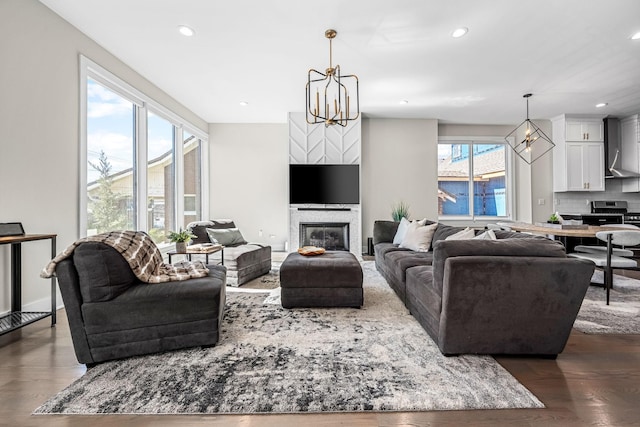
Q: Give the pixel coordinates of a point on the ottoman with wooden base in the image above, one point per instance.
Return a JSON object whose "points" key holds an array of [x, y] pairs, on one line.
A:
{"points": [[333, 279]]}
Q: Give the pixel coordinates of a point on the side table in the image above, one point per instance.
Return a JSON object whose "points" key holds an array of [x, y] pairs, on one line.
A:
{"points": [[200, 252], [17, 318]]}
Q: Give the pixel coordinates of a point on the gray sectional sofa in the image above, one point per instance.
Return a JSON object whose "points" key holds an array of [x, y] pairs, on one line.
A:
{"points": [[517, 295]]}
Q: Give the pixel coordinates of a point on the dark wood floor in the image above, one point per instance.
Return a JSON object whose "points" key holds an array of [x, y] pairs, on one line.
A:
{"points": [[595, 381]]}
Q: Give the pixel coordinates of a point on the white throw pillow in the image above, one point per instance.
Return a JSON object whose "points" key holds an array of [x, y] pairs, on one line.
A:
{"points": [[402, 230], [487, 235], [418, 237], [467, 233]]}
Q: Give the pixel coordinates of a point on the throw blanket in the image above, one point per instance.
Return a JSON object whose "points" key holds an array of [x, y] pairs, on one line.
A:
{"points": [[141, 253]]}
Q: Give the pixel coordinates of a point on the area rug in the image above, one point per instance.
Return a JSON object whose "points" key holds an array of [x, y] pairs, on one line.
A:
{"points": [[274, 360], [621, 316]]}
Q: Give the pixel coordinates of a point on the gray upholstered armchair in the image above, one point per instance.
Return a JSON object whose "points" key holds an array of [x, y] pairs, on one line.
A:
{"points": [[113, 315]]}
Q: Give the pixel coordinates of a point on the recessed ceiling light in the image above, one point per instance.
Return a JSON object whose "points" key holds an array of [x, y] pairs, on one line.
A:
{"points": [[602, 104], [403, 102], [186, 31], [244, 103], [636, 36], [459, 32]]}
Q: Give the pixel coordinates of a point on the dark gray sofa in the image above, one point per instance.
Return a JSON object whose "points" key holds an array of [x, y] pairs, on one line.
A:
{"points": [[113, 315], [244, 261], [516, 295]]}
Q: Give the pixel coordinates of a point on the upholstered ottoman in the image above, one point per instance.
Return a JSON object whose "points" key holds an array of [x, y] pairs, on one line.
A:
{"points": [[333, 279]]}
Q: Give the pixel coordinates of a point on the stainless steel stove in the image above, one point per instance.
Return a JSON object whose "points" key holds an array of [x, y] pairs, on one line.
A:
{"points": [[605, 212], [611, 212]]}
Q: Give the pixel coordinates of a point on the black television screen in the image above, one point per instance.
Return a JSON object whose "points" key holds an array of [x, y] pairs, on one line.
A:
{"points": [[324, 184]]}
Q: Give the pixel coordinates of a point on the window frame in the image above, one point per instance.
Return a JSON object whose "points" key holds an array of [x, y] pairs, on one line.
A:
{"points": [[509, 176], [143, 104]]}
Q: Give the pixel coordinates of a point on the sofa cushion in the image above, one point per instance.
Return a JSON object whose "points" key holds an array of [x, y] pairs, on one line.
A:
{"points": [[143, 306], [382, 249], [226, 236], [103, 273], [384, 231], [401, 261], [199, 228], [418, 237]]}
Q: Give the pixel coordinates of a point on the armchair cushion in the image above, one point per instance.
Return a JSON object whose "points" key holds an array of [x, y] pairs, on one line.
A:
{"points": [[199, 228], [103, 272], [226, 236]]}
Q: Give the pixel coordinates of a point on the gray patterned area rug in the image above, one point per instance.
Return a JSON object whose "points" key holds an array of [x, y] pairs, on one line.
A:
{"points": [[274, 360], [621, 316]]}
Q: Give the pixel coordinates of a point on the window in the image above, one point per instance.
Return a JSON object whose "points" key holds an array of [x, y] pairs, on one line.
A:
{"points": [[141, 165], [192, 152], [110, 185], [160, 178], [473, 178]]}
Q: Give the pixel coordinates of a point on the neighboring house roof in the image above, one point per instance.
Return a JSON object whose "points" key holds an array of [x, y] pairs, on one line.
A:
{"points": [[161, 160], [485, 165]]}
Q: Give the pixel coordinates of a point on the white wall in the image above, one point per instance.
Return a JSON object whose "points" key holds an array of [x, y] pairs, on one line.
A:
{"points": [[249, 168], [399, 163], [39, 116]]}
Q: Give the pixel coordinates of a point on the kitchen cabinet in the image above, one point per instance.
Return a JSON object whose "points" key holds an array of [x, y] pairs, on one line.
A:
{"points": [[630, 151], [585, 166], [584, 130], [578, 165]]}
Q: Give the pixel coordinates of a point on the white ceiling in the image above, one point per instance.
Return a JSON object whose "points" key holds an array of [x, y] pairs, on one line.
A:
{"points": [[571, 54]]}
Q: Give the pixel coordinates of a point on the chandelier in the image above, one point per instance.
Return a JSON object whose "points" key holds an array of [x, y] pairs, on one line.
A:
{"points": [[535, 142], [332, 99]]}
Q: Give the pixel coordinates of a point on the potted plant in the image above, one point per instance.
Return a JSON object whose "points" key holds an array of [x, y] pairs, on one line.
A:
{"points": [[180, 238], [554, 219], [399, 211]]}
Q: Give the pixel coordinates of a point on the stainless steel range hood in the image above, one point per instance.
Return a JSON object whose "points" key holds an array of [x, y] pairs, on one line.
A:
{"points": [[612, 142]]}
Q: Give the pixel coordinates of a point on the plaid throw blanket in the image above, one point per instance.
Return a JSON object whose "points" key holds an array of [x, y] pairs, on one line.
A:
{"points": [[141, 253]]}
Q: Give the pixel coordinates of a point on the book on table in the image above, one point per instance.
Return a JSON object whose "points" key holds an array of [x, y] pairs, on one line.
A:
{"points": [[203, 248]]}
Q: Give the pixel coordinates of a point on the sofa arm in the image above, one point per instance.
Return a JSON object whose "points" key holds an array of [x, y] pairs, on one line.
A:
{"points": [[510, 305], [384, 231], [508, 248]]}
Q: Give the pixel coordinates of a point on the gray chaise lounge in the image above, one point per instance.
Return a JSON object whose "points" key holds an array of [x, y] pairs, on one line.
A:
{"points": [[244, 261]]}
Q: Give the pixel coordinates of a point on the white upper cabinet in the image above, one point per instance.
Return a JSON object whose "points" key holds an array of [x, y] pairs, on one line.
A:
{"points": [[584, 130], [578, 158]]}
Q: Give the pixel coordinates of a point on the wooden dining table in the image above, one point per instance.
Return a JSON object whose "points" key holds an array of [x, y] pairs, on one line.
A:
{"points": [[550, 230]]}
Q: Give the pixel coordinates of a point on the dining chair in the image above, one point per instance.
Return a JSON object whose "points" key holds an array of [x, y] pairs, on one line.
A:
{"points": [[608, 260]]}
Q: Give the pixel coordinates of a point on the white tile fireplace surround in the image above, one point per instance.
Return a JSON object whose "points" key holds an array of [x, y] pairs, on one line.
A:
{"points": [[330, 214]]}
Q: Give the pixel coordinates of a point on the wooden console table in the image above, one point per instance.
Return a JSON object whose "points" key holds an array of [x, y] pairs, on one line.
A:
{"points": [[18, 318]]}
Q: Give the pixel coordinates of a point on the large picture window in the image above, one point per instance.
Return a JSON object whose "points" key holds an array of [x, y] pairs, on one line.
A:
{"points": [[141, 165], [473, 178]]}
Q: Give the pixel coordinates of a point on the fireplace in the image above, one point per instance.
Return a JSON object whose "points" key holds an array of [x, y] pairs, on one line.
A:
{"points": [[331, 236]]}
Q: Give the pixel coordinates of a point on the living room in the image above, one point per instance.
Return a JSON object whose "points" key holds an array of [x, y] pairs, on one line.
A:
{"points": [[248, 159]]}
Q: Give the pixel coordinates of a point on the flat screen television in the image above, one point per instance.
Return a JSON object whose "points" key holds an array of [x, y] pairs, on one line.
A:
{"points": [[324, 184]]}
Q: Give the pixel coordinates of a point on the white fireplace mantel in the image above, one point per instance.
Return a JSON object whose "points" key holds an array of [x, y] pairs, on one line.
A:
{"points": [[349, 214]]}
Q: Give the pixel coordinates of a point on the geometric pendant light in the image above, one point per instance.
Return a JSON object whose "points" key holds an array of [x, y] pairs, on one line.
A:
{"points": [[332, 98], [535, 142]]}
